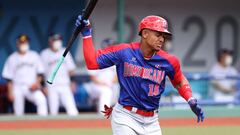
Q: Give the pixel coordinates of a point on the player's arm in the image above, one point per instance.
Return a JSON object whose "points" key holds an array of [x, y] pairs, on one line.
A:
{"points": [[94, 77], [10, 90], [180, 82], [38, 84], [90, 54], [183, 88], [96, 59], [223, 89], [96, 80], [217, 84], [8, 75]]}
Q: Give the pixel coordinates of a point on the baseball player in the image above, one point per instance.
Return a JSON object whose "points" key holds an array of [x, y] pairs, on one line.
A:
{"points": [[101, 88], [23, 71], [60, 91], [142, 68]]}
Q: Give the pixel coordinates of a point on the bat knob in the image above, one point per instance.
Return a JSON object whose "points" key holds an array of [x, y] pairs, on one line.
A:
{"points": [[49, 82]]}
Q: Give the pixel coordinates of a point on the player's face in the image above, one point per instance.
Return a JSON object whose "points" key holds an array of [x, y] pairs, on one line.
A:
{"points": [[155, 39], [23, 47], [226, 60], [56, 45]]}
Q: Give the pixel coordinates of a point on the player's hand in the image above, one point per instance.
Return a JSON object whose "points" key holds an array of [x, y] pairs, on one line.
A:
{"points": [[45, 91], [107, 111], [10, 97], [35, 87], [87, 30], [196, 109]]}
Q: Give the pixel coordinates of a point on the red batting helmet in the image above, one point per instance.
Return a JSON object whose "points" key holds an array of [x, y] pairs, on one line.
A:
{"points": [[153, 22]]}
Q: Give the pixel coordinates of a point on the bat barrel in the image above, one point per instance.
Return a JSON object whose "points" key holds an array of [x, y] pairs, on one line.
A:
{"points": [[86, 15], [87, 12], [89, 9]]}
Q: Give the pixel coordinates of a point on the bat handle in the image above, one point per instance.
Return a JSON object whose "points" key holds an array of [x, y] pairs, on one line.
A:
{"points": [[54, 73]]}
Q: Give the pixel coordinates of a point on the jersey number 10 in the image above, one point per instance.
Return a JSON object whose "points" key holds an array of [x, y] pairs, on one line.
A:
{"points": [[153, 90]]}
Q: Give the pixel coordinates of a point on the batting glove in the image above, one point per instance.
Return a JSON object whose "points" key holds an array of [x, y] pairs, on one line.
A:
{"points": [[87, 30], [107, 111], [196, 109]]}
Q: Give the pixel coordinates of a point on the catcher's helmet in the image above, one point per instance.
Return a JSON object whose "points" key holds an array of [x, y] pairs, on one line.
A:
{"points": [[153, 22]]}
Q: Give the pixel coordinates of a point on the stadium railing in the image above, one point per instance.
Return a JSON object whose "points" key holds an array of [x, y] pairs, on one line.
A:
{"points": [[200, 83]]}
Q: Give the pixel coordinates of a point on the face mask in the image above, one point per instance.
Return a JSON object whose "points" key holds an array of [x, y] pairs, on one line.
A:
{"points": [[228, 60], [24, 47], [57, 44]]}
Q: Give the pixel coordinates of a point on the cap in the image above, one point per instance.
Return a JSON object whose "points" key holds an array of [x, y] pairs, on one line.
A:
{"points": [[22, 38], [54, 37]]}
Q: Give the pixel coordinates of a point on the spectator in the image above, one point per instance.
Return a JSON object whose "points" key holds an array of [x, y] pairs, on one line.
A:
{"points": [[61, 91], [103, 86], [23, 71], [223, 89]]}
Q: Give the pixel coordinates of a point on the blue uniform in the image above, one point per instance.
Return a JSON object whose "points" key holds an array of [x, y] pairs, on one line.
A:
{"points": [[142, 80]]}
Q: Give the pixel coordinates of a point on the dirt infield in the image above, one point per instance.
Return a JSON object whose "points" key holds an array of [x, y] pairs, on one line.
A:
{"points": [[164, 122]]}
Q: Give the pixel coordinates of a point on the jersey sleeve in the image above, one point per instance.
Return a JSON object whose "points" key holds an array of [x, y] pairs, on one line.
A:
{"points": [[102, 58], [110, 56], [175, 74], [8, 69]]}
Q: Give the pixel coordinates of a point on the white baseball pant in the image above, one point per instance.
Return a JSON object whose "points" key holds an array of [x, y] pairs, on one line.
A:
{"points": [[125, 122], [20, 92], [61, 94], [104, 94]]}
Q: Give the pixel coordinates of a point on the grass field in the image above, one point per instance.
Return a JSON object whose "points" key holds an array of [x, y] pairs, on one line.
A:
{"points": [[220, 130]]}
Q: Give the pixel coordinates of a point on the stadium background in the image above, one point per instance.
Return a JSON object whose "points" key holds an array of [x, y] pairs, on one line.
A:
{"points": [[200, 28]]}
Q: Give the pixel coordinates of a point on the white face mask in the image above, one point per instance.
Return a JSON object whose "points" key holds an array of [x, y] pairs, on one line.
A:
{"points": [[228, 60], [57, 44], [24, 47]]}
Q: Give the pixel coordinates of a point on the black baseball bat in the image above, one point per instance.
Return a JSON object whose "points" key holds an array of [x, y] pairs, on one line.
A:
{"points": [[85, 15]]}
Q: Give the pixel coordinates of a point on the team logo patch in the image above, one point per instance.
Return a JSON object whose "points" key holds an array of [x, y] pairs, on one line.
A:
{"points": [[157, 66], [134, 59]]}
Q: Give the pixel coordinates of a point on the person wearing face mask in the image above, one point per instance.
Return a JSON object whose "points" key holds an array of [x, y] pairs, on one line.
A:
{"points": [[23, 71], [223, 90], [61, 92], [103, 86]]}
